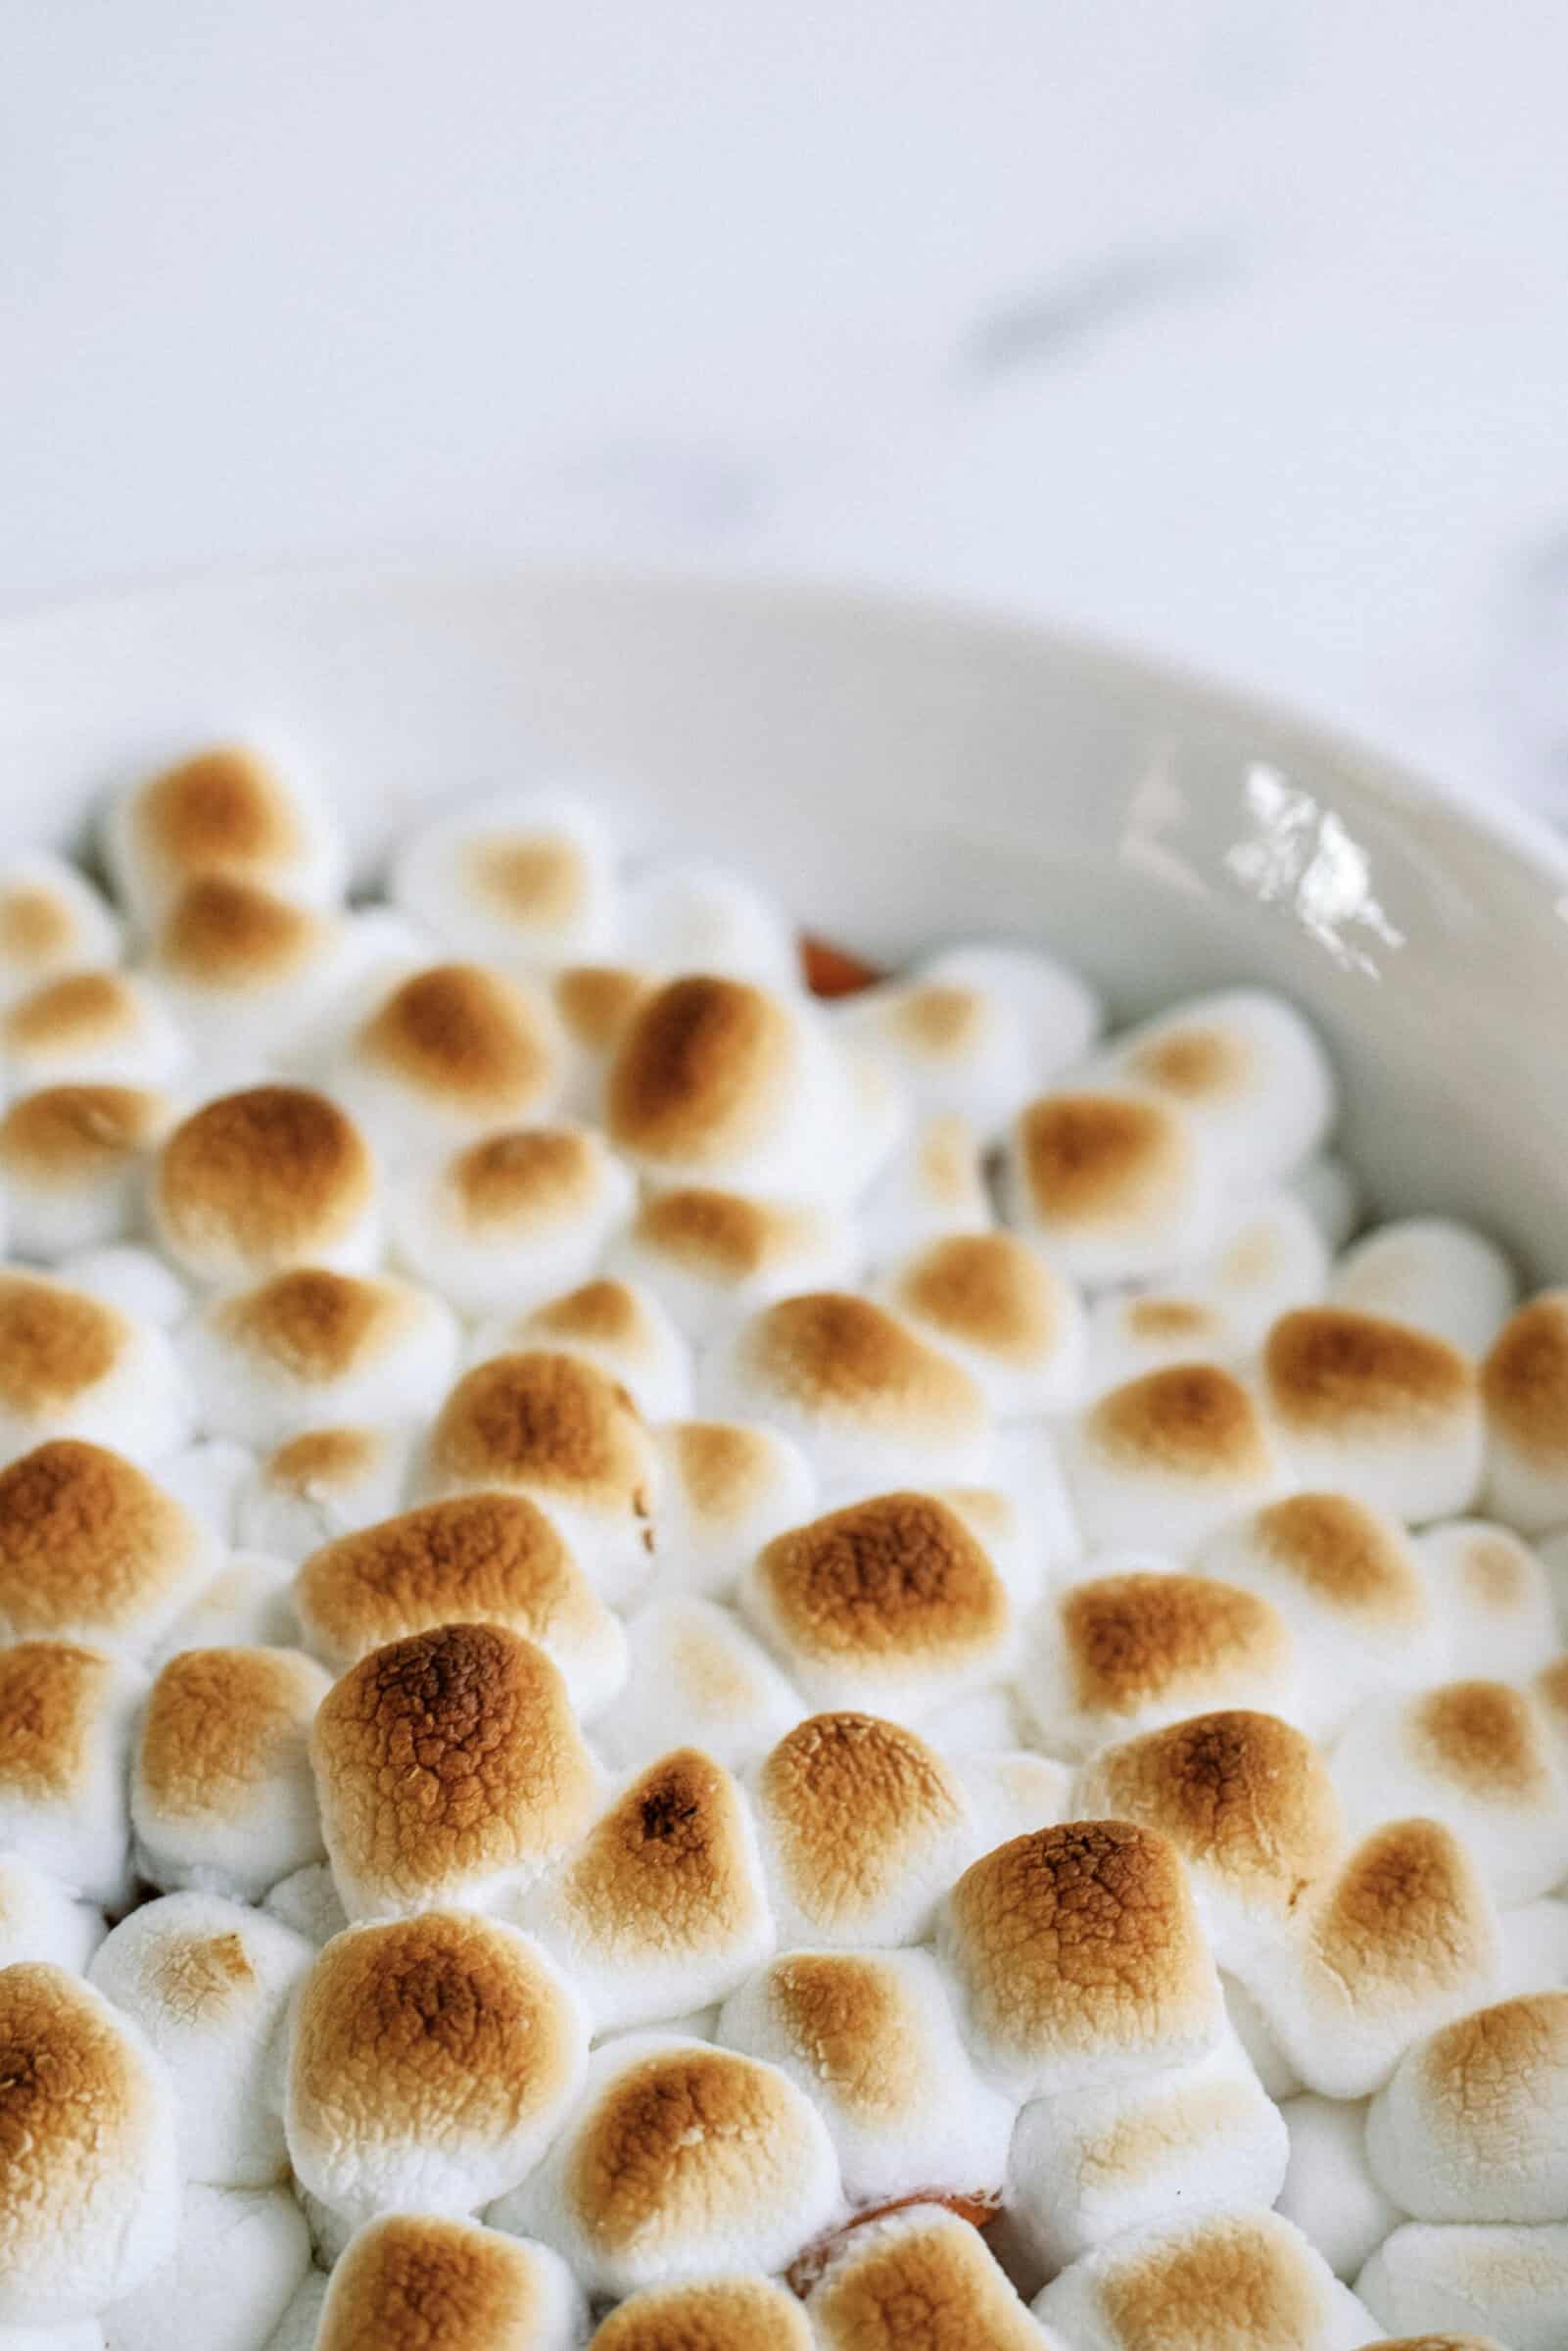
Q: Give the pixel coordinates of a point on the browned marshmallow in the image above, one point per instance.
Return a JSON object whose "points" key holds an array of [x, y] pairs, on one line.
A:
{"points": [[86, 1027], [72, 1159], [258, 1181], [319, 1484], [1165, 1458], [717, 2313], [727, 1488], [701, 1076], [246, 972], [619, 1326], [1524, 1386], [51, 920], [1377, 1410], [92, 1550], [1474, 2124], [224, 811], [452, 1050], [1004, 1313], [73, 1367], [415, 2282], [713, 1255], [1209, 2281], [66, 1714], [919, 2280], [1116, 1185], [221, 1793], [513, 1219]]}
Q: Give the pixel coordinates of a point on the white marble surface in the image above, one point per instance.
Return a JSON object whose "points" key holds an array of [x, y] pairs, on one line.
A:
{"points": [[1238, 328]]}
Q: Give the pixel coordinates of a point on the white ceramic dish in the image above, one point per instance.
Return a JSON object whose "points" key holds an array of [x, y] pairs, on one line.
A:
{"points": [[901, 771]]}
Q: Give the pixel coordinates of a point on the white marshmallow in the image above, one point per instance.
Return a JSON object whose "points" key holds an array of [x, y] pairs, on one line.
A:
{"points": [[1331, 1193], [619, 1328], [308, 1903], [996, 1305], [1090, 2163], [71, 1366], [933, 1185], [1377, 1410], [1264, 2053], [1434, 1272], [712, 1256], [225, 811], [77, 2334], [319, 1484], [681, 2160], [511, 1219], [697, 1668], [132, 1280], [1270, 1257], [52, 920], [298, 2328], [251, 975], [206, 1477], [960, 1050], [1495, 1596], [450, 1052], [67, 1718], [73, 1161], [308, 1348], [1060, 1012], [726, 1488], [1474, 2124], [1247, 1067], [41, 1919], [221, 1793], [1011, 1792], [1330, 2194], [416, 2280], [96, 1027], [241, 2257], [1167, 1459], [520, 878], [920, 2278], [248, 1605], [692, 915], [1246, 2278], [256, 1182], [91, 1548], [1534, 1948], [1114, 1183], [1511, 2281], [210, 1983]]}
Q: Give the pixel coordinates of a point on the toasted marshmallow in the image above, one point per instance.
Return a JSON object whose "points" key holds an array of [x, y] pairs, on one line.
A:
{"points": [[1264, 2052], [224, 811], [726, 1488], [959, 1049], [509, 1220], [1377, 1410], [1268, 1259], [51, 921], [1495, 1595], [1348, 1583], [619, 1328], [551, 1425], [1001, 1311], [661, 1908], [596, 1004], [525, 877], [1130, 1333], [241, 2256], [72, 1159], [689, 913], [1061, 1013], [1168, 1458], [1524, 1386], [415, 2281], [248, 1605], [891, 1603], [71, 1366], [863, 1828], [89, 1027], [248, 973], [696, 1666], [933, 1185], [871, 1403], [221, 1793], [92, 1550], [1115, 1184], [1400, 1940], [1513, 2281], [1474, 2124], [1246, 1069], [210, 1982], [717, 2313], [1131, 1652], [67, 1716], [307, 1901], [1011, 1791], [449, 1767], [1330, 2194], [923, 2279], [681, 2161], [1477, 1756], [134, 1280], [1088, 2164], [1019, 1518], [870, 2039], [1247, 2280], [87, 2122], [1434, 1273], [713, 1257], [1247, 1801], [41, 1920], [319, 1484], [310, 1347], [259, 1181], [455, 1050]]}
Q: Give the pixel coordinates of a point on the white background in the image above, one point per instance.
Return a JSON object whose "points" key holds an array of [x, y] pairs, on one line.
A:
{"points": [[1236, 327]]}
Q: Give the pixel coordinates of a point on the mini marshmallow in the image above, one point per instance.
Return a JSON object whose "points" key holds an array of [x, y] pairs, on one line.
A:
{"points": [[712, 1256], [1270, 1258], [596, 1004], [249, 974], [692, 915], [1167, 1459], [239, 2261], [1247, 2280], [223, 811], [259, 1181], [548, 1424], [1534, 1950], [431, 2064], [248, 1605], [72, 1159], [307, 1901], [1264, 2053], [1088, 2164], [41, 1920], [1330, 2194], [863, 1828], [1061, 1014], [717, 2313], [681, 2161], [1079, 1959], [1403, 1939], [871, 1402], [134, 1280], [221, 1793], [921, 2280], [960, 1050], [479, 1558], [1348, 1583], [1016, 1517], [891, 1603], [92, 1550], [661, 1909], [91, 2192], [620, 1328], [90, 1027], [521, 877], [1115, 1184], [452, 1051], [1524, 1388], [509, 1220], [1474, 2124], [1432, 1272], [1376, 1409], [1011, 1791], [319, 1484], [210, 1983], [1249, 1805], [71, 1366], [308, 1346], [1476, 1755], [870, 2039], [420, 2282], [449, 1767], [726, 1488], [1130, 1652], [66, 1716], [1246, 1069], [933, 1185], [995, 1305], [1513, 2281], [1129, 1333], [1330, 1192], [696, 1667], [51, 921]]}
